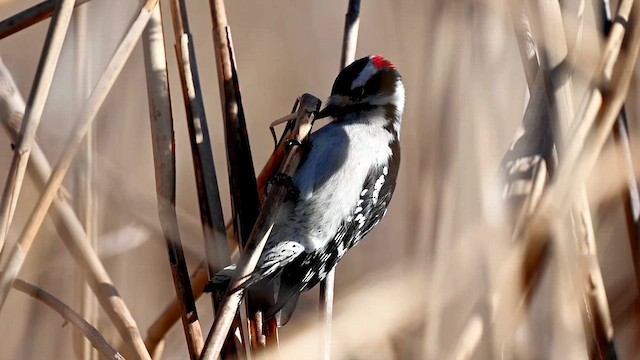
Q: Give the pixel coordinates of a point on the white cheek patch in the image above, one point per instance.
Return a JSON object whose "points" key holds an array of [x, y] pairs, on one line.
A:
{"points": [[364, 76]]}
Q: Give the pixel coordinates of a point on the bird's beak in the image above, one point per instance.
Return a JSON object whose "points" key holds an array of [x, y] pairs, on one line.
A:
{"points": [[329, 110], [333, 105]]}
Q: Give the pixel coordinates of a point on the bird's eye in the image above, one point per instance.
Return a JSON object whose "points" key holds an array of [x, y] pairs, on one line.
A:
{"points": [[358, 92]]}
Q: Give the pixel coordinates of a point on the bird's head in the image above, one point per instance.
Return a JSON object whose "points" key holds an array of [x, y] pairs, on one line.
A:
{"points": [[371, 84]]}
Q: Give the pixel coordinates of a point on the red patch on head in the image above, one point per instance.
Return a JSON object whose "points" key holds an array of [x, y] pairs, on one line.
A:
{"points": [[381, 63]]}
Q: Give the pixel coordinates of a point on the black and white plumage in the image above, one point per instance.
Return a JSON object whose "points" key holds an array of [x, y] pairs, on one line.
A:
{"points": [[345, 183]]}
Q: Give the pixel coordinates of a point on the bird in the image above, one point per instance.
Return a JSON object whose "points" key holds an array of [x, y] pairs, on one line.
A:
{"points": [[343, 187]]}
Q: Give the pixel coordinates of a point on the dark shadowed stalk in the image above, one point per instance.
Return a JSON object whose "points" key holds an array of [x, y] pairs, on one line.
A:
{"points": [[327, 286], [258, 238], [242, 179], [66, 221], [215, 236], [30, 16], [165, 170], [22, 246], [35, 106], [70, 316]]}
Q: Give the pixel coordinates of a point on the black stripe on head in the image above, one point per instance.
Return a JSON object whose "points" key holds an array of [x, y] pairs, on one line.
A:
{"points": [[342, 85]]}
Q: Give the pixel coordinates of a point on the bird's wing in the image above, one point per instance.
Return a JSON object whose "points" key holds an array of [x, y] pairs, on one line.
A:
{"points": [[307, 270]]}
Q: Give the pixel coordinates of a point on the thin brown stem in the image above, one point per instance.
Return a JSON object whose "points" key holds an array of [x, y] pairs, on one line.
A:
{"points": [[89, 332], [165, 170], [253, 250], [35, 106], [30, 16]]}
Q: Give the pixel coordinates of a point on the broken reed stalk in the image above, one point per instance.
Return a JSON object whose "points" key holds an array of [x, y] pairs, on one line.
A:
{"points": [[90, 333], [30, 16], [211, 216], [35, 106], [123, 321], [245, 202], [264, 224], [327, 286], [65, 219], [242, 179], [165, 169]]}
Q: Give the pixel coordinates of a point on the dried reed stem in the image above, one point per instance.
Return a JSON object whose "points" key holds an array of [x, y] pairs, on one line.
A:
{"points": [[112, 304], [65, 220], [211, 216], [30, 16], [327, 286], [165, 170], [67, 224], [35, 106], [264, 224], [89, 332]]}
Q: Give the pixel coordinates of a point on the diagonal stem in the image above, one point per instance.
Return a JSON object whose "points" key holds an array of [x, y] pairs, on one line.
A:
{"points": [[86, 117], [30, 16], [35, 106]]}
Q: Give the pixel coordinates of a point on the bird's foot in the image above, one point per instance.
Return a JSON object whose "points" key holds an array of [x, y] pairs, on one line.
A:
{"points": [[293, 193]]}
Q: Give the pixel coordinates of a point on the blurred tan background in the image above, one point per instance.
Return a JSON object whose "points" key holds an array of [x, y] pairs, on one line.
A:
{"points": [[465, 97]]}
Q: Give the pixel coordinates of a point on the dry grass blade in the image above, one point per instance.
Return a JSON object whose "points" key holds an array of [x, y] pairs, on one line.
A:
{"points": [[165, 169], [91, 333], [21, 248], [66, 221], [30, 16], [327, 286], [211, 215], [35, 106], [260, 234]]}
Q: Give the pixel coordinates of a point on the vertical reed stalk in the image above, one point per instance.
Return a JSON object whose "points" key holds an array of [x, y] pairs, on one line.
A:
{"points": [[327, 286]]}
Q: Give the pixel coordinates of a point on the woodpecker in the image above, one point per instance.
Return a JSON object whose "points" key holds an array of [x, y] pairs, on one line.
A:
{"points": [[343, 187]]}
